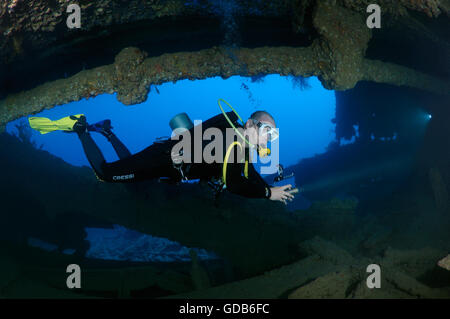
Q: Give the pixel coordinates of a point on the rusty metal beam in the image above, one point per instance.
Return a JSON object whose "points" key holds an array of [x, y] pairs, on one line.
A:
{"points": [[336, 57]]}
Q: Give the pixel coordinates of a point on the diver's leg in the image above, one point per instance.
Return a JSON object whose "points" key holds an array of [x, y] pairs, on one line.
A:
{"points": [[122, 152], [104, 127], [120, 148], [93, 153], [152, 162]]}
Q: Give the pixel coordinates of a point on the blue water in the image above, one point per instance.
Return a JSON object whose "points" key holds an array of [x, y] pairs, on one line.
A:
{"points": [[303, 117]]}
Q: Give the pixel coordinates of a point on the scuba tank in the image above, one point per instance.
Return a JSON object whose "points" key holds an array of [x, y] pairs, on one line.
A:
{"points": [[179, 124], [181, 121]]}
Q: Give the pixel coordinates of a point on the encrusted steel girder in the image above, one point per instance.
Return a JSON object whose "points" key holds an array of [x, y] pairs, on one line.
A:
{"points": [[336, 57], [39, 22]]}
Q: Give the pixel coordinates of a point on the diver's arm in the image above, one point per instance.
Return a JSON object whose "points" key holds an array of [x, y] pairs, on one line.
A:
{"points": [[254, 175], [251, 187], [279, 193]]}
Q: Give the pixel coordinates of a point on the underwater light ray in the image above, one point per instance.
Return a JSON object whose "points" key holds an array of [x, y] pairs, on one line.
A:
{"points": [[359, 174]]}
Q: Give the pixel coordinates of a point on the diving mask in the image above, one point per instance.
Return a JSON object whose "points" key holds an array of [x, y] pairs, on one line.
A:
{"points": [[263, 130], [267, 129]]}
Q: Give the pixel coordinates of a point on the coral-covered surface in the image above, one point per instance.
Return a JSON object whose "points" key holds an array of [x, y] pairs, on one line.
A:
{"points": [[336, 57], [445, 263], [431, 8], [331, 272], [439, 189], [322, 252], [39, 23]]}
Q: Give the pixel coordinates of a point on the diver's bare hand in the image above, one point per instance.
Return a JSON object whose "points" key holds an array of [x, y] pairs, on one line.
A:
{"points": [[281, 194]]}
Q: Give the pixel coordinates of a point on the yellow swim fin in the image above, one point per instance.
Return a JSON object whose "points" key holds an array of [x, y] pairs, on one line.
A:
{"points": [[44, 125]]}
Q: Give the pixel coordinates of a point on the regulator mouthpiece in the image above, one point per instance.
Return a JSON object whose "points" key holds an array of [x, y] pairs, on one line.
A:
{"points": [[263, 152]]}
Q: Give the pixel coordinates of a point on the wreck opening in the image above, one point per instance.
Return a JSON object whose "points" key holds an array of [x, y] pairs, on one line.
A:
{"points": [[302, 107], [303, 110], [376, 129], [377, 185], [81, 50]]}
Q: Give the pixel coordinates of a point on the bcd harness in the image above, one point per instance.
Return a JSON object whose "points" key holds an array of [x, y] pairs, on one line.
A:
{"points": [[225, 162], [218, 185]]}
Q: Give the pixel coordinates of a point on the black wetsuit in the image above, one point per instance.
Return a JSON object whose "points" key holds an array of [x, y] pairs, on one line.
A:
{"points": [[155, 162]]}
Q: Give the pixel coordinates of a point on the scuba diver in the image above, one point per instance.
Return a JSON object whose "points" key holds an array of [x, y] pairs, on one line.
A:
{"points": [[158, 161]]}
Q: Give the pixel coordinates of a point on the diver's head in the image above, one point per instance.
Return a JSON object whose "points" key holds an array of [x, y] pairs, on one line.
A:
{"points": [[260, 128]]}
